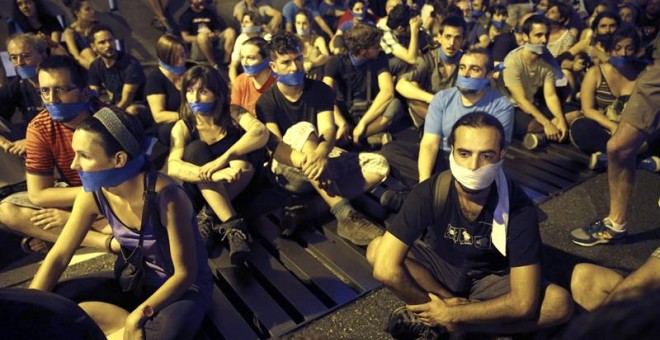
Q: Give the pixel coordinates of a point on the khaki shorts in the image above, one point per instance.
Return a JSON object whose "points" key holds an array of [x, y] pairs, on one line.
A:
{"points": [[643, 108]]}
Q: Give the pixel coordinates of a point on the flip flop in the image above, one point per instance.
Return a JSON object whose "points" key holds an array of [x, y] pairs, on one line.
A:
{"points": [[27, 248]]}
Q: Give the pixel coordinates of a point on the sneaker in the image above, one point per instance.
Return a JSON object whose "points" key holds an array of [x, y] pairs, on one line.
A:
{"points": [[651, 164], [237, 237], [598, 161], [357, 229], [404, 324], [532, 141], [205, 224], [393, 200], [596, 233]]}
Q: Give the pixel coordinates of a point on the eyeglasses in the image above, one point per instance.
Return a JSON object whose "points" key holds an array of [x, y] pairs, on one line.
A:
{"points": [[49, 91]]}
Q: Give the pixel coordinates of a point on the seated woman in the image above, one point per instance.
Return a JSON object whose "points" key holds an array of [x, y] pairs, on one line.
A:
{"points": [[163, 85], [177, 283], [31, 16], [560, 38], [502, 39], [251, 26], [358, 14], [315, 51], [605, 90], [209, 153], [76, 34]]}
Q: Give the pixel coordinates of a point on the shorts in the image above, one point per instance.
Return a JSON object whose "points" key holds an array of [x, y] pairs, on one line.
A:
{"points": [[643, 108], [475, 285], [196, 53], [21, 198], [341, 163]]}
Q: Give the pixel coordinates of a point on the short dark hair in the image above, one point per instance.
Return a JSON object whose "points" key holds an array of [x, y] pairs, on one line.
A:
{"points": [[499, 9], [454, 21], [261, 44], [399, 16], [534, 20], [108, 142], [96, 29], [606, 14], [490, 63], [478, 119], [284, 42], [624, 32], [361, 37], [77, 73]]}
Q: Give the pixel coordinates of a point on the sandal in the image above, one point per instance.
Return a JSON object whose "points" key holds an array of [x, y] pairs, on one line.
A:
{"points": [[27, 247]]}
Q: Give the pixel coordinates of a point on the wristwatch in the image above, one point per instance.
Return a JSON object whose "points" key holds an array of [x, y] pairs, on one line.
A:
{"points": [[148, 312]]}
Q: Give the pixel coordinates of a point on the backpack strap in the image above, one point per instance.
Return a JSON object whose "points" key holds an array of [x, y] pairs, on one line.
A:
{"points": [[440, 193]]}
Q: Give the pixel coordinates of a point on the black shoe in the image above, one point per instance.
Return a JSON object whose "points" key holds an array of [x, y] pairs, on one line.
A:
{"points": [[206, 224], [393, 200], [235, 231], [293, 218], [404, 324]]}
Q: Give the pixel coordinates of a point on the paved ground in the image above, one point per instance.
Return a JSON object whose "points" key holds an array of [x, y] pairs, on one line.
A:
{"points": [[366, 317]]}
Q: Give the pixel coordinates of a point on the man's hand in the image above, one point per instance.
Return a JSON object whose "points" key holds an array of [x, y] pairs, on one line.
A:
{"points": [[435, 312], [415, 23], [314, 165], [343, 134], [49, 218], [562, 126], [358, 133], [16, 148], [551, 131]]}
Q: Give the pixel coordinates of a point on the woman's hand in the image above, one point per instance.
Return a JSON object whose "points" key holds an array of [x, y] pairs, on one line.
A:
{"points": [[207, 170], [133, 327]]}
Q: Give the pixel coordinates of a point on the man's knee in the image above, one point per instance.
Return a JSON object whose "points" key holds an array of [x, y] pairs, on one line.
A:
{"points": [[560, 305], [371, 250], [9, 217], [229, 34], [582, 279], [625, 142]]}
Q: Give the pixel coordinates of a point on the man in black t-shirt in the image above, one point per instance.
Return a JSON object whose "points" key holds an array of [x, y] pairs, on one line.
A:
{"points": [[298, 112], [364, 86], [204, 29], [477, 267], [118, 72]]}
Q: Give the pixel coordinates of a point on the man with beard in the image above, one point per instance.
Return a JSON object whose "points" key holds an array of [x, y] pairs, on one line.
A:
{"points": [[206, 31], [118, 72], [464, 253], [414, 162]]}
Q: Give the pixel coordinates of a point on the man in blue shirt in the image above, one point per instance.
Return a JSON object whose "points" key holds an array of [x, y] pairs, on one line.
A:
{"points": [[471, 93]]}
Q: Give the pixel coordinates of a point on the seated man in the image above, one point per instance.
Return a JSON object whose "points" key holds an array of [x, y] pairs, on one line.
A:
{"points": [[402, 28], [593, 286], [257, 77], [291, 8], [25, 51], [527, 70], [298, 112], [364, 87], [41, 212], [477, 267], [118, 72], [205, 30], [262, 9], [413, 163], [476, 35], [436, 70]]}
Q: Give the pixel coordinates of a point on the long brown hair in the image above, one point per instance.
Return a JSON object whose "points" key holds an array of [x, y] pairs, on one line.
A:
{"points": [[211, 79]]}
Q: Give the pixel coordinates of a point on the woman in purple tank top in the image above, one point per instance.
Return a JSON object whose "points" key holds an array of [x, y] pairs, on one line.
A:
{"points": [[177, 282]]}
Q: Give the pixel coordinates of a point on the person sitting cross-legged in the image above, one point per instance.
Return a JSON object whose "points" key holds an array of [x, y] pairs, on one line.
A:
{"points": [[298, 112], [477, 267], [209, 154]]}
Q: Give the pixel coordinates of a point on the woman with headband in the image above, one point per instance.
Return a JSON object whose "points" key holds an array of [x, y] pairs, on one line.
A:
{"points": [[174, 292]]}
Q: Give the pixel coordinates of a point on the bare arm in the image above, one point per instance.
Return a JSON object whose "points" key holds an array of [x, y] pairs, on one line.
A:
{"points": [[382, 99], [389, 268], [519, 304], [187, 37], [42, 193], [83, 215], [428, 153], [157, 106], [176, 166], [644, 280], [518, 95], [411, 90], [324, 26], [409, 55], [127, 93], [280, 151], [588, 99], [275, 19]]}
